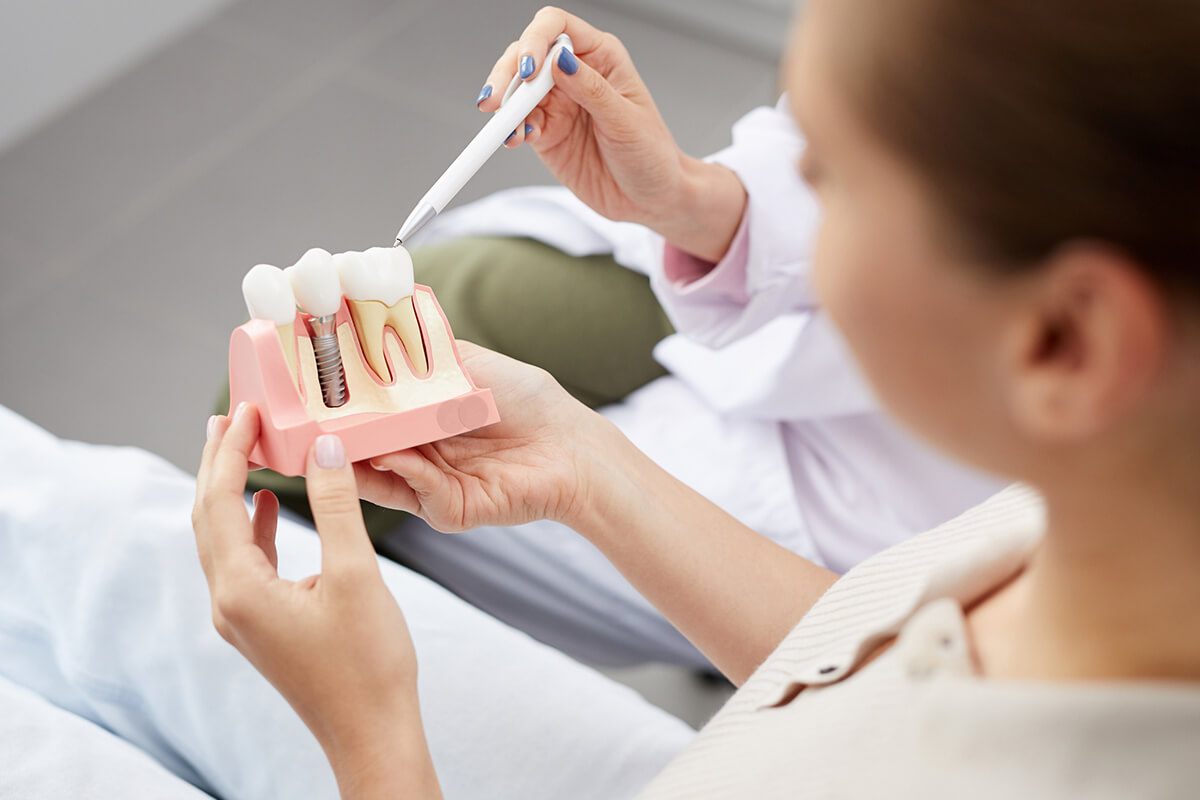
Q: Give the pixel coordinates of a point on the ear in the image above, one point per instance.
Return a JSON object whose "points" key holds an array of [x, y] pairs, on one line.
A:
{"points": [[1086, 346]]}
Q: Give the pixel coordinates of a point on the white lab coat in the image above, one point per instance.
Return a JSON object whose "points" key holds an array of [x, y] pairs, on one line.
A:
{"points": [[764, 411]]}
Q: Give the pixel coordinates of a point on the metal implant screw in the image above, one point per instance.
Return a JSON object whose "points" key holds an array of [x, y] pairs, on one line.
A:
{"points": [[328, 354]]}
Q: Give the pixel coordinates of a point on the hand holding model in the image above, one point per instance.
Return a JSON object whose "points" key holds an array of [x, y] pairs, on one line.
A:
{"points": [[335, 645], [534, 464], [550, 457], [600, 134]]}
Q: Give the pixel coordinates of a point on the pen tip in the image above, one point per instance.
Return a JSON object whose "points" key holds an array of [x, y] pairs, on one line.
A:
{"points": [[417, 220]]}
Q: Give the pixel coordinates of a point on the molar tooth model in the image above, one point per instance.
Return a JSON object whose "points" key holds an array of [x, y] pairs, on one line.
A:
{"points": [[378, 367], [378, 285]]}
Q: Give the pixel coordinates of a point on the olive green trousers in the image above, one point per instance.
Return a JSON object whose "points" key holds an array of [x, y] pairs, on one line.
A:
{"points": [[589, 322]]}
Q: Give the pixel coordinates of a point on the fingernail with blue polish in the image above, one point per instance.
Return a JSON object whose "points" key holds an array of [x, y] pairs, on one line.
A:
{"points": [[509, 139], [526, 66], [528, 129], [567, 62], [484, 94]]}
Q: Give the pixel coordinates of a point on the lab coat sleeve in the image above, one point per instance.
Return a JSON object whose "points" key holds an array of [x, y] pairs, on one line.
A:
{"points": [[765, 273], [754, 314]]}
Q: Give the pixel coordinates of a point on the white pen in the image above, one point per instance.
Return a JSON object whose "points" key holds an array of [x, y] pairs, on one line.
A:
{"points": [[520, 98]]}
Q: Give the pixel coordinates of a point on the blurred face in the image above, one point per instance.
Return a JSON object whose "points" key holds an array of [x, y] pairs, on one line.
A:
{"points": [[926, 330]]}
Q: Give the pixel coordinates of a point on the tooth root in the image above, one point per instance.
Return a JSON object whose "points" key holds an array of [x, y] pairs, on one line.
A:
{"points": [[287, 338], [402, 318], [369, 317]]}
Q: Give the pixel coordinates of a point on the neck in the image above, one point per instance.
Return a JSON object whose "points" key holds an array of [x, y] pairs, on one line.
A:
{"points": [[1113, 591]]}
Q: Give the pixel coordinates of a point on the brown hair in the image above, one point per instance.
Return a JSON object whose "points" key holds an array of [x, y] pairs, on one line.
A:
{"points": [[1039, 122]]}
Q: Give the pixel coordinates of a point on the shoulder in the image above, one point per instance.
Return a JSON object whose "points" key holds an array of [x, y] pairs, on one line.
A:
{"points": [[910, 564]]}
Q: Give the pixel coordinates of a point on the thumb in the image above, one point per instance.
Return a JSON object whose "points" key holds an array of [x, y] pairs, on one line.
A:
{"points": [[333, 497], [589, 89]]}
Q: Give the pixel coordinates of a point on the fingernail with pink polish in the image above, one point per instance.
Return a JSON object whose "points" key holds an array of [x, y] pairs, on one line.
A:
{"points": [[238, 411], [330, 453], [212, 426]]}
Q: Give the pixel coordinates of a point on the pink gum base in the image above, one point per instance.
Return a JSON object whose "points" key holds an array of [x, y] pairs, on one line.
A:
{"points": [[259, 375]]}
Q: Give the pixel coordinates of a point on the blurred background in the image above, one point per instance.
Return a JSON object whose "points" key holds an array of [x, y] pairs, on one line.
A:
{"points": [[151, 152]]}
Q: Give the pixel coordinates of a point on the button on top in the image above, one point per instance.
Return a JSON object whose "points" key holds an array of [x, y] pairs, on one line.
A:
{"points": [[934, 641]]}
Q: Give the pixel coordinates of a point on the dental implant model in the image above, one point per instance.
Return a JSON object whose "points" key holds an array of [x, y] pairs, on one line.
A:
{"points": [[368, 355], [315, 283]]}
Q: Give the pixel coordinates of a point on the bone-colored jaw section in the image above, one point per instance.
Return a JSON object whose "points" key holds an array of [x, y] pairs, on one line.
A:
{"points": [[372, 322], [443, 377], [287, 339]]}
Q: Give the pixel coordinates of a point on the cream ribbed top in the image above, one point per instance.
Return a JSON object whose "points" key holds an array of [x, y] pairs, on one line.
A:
{"points": [[918, 721]]}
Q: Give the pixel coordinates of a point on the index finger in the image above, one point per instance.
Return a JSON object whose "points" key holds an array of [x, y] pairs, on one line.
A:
{"points": [[540, 33], [224, 523], [216, 426], [230, 464]]}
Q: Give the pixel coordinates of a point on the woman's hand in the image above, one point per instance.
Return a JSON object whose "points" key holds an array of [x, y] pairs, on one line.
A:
{"points": [[733, 593], [533, 464], [600, 134], [335, 645]]}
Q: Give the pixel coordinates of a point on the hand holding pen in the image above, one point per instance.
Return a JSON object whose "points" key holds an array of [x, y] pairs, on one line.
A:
{"points": [[597, 129]]}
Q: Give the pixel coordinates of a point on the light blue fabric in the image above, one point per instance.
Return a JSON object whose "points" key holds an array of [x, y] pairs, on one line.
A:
{"points": [[49, 753], [104, 613]]}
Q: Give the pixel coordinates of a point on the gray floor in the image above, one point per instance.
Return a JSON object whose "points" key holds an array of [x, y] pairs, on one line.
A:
{"points": [[127, 223]]}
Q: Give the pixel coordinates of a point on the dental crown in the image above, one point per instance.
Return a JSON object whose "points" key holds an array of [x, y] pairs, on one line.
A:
{"points": [[315, 282], [381, 273], [269, 295]]}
